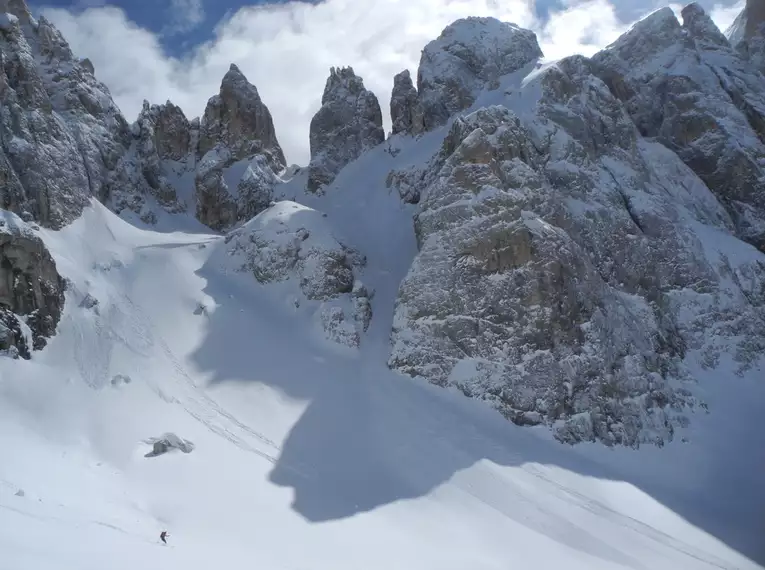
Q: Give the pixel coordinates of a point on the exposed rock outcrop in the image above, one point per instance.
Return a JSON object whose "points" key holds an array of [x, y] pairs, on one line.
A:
{"points": [[31, 290], [239, 155], [172, 135], [237, 119], [64, 141], [685, 86], [470, 55], [403, 104], [747, 34], [63, 138], [348, 123], [167, 443], [558, 261], [292, 247]]}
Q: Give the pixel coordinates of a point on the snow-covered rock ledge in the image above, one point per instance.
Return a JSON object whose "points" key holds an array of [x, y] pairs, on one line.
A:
{"points": [[291, 249]]}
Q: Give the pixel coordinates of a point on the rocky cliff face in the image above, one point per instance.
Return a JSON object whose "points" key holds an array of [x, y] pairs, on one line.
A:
{"points": [[747, 33], [237, 119], [469, 56], [568, 263], [348, 123], [581, 246], [64, 142], [404, 111], [31, 290], [63, 139], [687, 87], [238, 155]]}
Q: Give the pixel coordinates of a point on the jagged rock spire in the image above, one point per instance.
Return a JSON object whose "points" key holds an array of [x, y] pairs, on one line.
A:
{"points": [[348, 123], [404, 111], [238, 119]]}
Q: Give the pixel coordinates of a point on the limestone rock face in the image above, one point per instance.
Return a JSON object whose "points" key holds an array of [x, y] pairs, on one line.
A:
{"points": [[747, 34], [31, 290], [237, 119], [172, 132], [239, 155], [687, 87], [403, 104], [470, 55], [64, 141], [348, 123], [291, 248], [567, 265]]}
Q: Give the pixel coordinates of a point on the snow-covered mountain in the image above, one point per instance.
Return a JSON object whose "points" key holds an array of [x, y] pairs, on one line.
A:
{"points": [[578, 244]]}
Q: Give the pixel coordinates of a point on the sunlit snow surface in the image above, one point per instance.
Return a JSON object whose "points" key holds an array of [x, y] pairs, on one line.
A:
{"points": [[307, 457]]}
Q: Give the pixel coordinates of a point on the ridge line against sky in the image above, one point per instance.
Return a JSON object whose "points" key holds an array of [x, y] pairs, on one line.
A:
{"points": [[286, 49]]}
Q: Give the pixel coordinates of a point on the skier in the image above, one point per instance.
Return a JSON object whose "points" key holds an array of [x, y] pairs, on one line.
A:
{"points": [[163, 535]]}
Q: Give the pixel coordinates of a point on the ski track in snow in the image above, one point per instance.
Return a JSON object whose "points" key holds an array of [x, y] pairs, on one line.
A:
{"points": [[307, 457], [529, 498]]}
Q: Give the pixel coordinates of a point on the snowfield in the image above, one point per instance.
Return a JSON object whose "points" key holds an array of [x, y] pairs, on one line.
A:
{"points": [[196, 385], [306, 457]]}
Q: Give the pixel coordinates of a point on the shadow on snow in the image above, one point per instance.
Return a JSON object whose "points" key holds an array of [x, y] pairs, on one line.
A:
{"points": [[370, 437]]}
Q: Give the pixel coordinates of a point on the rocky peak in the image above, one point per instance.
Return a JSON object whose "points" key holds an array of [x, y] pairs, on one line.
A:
{"points": [[238, 119], [171, 130], [403, 104], [348, 123], [236, 127], [686, 86], [471, 54], [342, 83], [516, 297], [701, 27], [748, 33], [17, 8], [755, 18]]}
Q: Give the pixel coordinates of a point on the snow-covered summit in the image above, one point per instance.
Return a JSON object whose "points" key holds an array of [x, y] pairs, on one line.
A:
{"points": [[573, 244], [470, 55], [686, 85]]}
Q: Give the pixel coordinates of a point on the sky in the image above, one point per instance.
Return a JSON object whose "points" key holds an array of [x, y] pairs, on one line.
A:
{"points": [[179, 50]]}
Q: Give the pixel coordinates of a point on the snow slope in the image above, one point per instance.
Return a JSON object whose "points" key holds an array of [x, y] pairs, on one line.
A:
{"points": [[307, 457], [312, 458]]}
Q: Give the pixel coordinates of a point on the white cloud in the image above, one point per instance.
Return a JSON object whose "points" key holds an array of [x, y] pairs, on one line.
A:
{"points": [[286, 50], [184, 16]]}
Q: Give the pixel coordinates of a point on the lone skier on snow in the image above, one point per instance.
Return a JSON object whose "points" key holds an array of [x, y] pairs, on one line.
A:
{"points": [[163, 535]]}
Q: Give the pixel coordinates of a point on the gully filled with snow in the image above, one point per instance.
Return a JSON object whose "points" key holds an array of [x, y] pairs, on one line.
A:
{"points": [[289, 390]]}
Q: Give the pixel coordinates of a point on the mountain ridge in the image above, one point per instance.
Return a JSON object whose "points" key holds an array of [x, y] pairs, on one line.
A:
{"points": [[585, 134]]}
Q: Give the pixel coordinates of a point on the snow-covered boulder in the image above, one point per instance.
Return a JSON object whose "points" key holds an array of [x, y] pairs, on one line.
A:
{"points": [[470, 55], [685, 86], [31, 290], [166, 443], [292, 250], [567, 266], [348, 123]]}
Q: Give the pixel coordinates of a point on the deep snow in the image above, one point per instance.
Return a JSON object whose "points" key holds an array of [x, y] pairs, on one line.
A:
{"points": [[310, 457]]}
